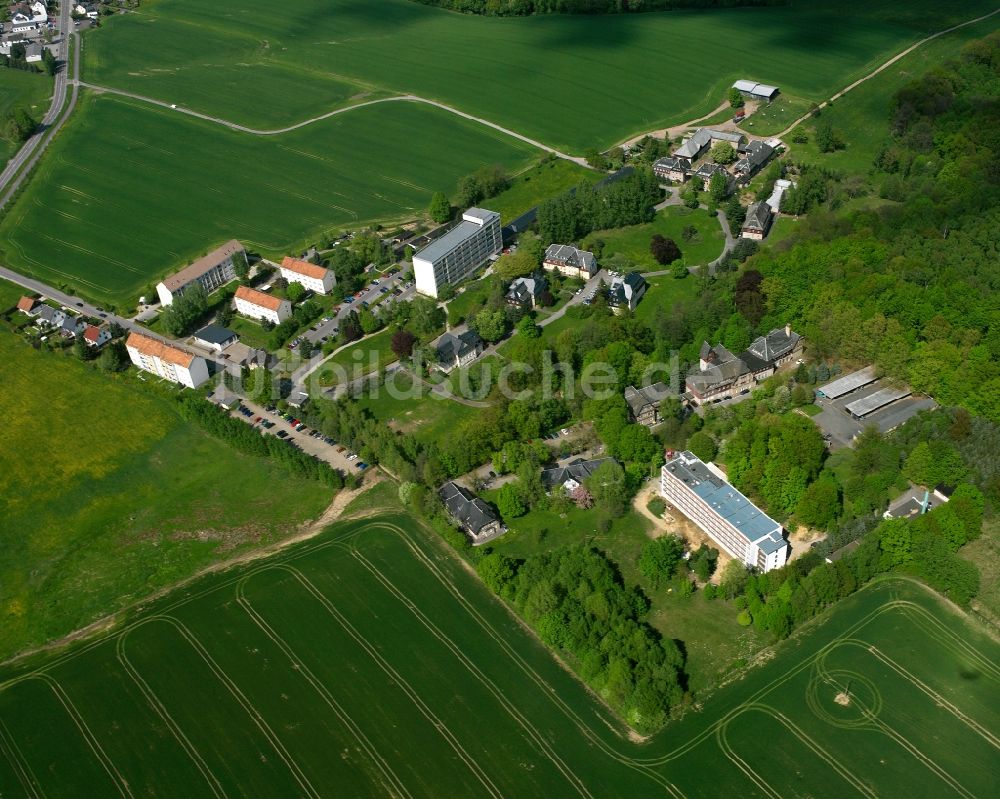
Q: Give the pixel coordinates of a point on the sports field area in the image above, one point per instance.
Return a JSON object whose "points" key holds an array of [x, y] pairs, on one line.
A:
{"points": [[130, 192], [368, 662], [572, 81], [106, 495]]}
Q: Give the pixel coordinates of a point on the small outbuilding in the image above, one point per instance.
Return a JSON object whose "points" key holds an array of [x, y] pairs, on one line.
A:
{"points": [[756, 91]]}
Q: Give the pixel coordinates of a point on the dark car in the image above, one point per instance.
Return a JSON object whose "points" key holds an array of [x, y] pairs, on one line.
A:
{"points": [[281, 434]]}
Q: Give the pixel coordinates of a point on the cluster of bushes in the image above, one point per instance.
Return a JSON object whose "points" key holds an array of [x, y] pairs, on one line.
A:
{"points": [[241, 436], [304, 315], [575, 600]]}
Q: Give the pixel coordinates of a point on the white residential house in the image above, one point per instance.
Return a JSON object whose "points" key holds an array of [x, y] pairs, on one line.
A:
{"points": [[626, 291], [95, 336], [701, 492], [33, 53], [39, 12], [47, 316], [258, 305], [459, 252], [213, 270], [166, 361], [308, 275]]}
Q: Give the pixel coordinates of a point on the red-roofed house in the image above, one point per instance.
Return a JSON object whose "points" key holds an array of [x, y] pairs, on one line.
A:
{"points": [[27, 305], [95, 336], [308, 275], [258, 305]]}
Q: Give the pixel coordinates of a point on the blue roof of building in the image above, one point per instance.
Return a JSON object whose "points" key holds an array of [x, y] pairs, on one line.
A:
{"points": [[755, 525]]}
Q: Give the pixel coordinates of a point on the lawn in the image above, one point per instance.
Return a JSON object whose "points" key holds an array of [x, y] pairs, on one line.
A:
{"points": [[633, 242], [861, 117], [128, 193], [428, 417], [18, 89], [468, 302], [664, 293], [260, 681], [550, 178], [771, 118], [359, 359], [106, 496], [594, 85]]}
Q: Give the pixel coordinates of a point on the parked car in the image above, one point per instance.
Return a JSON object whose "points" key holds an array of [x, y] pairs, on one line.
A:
{"points": [[281, 434], [340, 449], [348, 299], [299, 427], [361, 465]]}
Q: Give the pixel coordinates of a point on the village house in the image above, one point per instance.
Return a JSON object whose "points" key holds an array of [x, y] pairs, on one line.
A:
{"points": [[215, 337], [673, 169], [309, 275], [166, 361], [211, 271], [916, 501], [644, 403], [625, 292], [758, 221], [72, 326], [753, 156], [47, 316], [475, 517], [708, 169], [702, 139], [26, 305], [454, 351], [524, 292], [572, 475], [570, 261], [94, 336], [265, 307], [721, 375]]}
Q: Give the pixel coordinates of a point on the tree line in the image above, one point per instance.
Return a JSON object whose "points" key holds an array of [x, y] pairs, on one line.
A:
{"points": [[519, 8]]}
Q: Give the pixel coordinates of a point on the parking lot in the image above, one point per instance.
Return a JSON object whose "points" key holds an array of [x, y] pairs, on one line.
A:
{"points": [[841, 427], [337, 455], [329, 326]]}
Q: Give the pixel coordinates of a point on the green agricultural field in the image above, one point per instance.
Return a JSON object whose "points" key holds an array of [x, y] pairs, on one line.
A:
{"points": [[129, 192], [571, 81], [772, 118], [633, 242], [367, 662], [861, 117], [18, 89], [550, 178], [106, 496]]}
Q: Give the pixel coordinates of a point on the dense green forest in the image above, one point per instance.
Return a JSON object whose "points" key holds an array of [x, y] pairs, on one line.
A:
{"points": [[512, 8]]}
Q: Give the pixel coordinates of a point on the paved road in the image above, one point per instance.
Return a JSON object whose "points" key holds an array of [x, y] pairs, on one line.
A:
{"points": [[20, 166], [404, 98]]}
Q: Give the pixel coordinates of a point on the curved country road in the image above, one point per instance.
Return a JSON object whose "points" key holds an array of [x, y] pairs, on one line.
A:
{"points": [[406, 98]]}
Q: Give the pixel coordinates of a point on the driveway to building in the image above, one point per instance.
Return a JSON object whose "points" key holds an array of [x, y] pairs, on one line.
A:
{"points": [[20, 166]]}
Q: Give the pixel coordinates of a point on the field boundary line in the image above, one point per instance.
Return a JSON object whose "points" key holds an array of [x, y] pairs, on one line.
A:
{"points": [[885, 65], [20, 765], [920, 685], [722, 740], [542, 684], [386, 667], [160, 709], [246, 704], [407, 98], [943, 635], [88, 736], [818, 750], [299, 665], [532, 731]]}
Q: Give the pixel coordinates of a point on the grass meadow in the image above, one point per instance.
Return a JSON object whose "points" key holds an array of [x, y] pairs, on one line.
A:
{"points": [[106, 496], [129, 193], [571, 81], [368, 661], [550, 178], [633, 242], [18, 89]]}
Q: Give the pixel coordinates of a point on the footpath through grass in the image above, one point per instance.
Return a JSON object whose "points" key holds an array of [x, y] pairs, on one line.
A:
{"points": [[106, 496], [231, 687]]}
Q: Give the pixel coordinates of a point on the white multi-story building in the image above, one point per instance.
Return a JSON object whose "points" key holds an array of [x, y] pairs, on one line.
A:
{"points": [[459, 252], [700, 491], [308, 275], [213, 270], [258, 305], [166, 361]]}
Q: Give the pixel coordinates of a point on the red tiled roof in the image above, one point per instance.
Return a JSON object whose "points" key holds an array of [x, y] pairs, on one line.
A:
{"points": [[303, 267], [25, 304], [157, 349], [258, 298]]}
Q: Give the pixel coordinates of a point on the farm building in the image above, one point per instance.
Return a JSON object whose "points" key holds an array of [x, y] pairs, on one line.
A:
{"points": [[213, 270], [701, 492], [848, 383], [756, 91], [166, 361], [570, 261], [702, 139], [672, 168], [459, 252], [752, 157], [758, 221], [258, 305], [473, 515], [309, 275]]}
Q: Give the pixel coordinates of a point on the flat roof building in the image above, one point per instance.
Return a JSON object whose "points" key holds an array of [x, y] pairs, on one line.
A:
{"points": [[211, 271], [166, 361], [861, 408], [848, 383], [459, 252], [701, 493], [215, 337]]}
